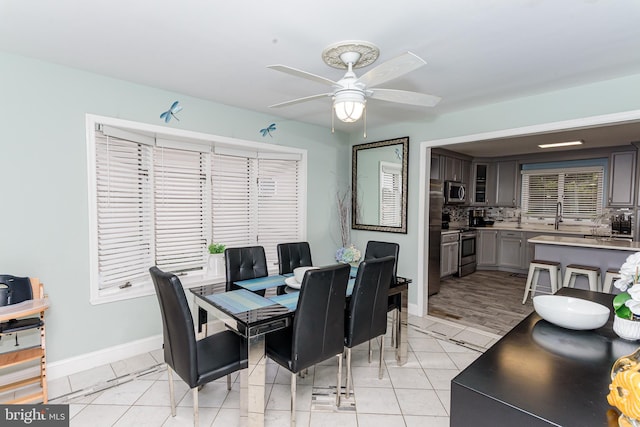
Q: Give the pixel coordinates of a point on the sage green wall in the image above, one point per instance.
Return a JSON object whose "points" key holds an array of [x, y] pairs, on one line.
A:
{"points": [[43, 185], [606, 97]]}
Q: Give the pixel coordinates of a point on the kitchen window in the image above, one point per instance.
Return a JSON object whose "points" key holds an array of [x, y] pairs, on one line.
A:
{"points": [[579, 190], [160, 199]]}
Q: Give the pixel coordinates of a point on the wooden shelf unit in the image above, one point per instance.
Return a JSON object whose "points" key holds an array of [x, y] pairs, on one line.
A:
{"points": [[12, 358]]}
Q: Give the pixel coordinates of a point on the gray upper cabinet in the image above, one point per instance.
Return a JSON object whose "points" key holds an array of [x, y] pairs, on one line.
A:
{"points": [[507, 176], [453, 169], [483, 184], [448, 168], [435, 167], [622, 167]]}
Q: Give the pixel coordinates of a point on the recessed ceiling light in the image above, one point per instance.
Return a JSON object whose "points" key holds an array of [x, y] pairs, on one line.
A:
{"points": [[560, 144]]}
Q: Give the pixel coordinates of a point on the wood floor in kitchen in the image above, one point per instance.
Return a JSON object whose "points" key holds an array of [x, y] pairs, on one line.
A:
{"points": [[487, 300]]}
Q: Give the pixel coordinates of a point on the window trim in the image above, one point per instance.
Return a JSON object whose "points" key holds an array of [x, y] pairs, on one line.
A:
{"points": [[183, 139]]}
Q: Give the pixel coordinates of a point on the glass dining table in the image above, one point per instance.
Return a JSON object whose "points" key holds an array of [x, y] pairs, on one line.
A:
{"points": [[254, 316]]}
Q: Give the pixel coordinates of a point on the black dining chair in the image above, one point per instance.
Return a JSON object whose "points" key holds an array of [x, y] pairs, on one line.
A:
{"points": [[197, 362], [366, 315], [292, 256], [244, 263], [377, 249], [317, 331]]}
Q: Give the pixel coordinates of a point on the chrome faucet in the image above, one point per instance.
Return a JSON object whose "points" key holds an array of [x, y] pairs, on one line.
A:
{"points": [[556, 224]]}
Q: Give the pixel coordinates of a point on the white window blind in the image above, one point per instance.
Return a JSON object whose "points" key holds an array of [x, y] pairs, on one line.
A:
{"points": [[157, 201], [390, 194], [255, 202], [233, 190], [181, 216], [278, 213], [580, 190], [124, 211]]}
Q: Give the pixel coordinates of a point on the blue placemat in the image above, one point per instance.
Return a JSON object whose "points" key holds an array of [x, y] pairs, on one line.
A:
{"points": [[290, 300], [354, 271], [239, 301], [261, 283]]}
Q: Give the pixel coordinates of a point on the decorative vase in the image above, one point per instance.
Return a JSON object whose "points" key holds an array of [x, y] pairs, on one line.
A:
{"points": [[624, 390], [216, 265], [626, 329]]}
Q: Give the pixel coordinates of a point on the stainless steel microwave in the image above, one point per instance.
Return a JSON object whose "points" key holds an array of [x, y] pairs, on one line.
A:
{"points": [[455, 192]]}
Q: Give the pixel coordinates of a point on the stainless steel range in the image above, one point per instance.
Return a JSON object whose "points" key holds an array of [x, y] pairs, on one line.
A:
{"points": [[467, 252]]}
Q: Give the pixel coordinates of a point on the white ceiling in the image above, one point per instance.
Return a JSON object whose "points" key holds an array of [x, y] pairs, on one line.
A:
{"points": [[477, 52]]}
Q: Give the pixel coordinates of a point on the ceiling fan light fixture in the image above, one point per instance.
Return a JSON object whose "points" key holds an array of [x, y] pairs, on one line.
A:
{"points": [[349, 105]]}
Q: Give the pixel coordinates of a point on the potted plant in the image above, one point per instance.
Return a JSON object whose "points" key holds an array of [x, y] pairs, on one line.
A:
{"points": [[626, 322], [216, 259]]}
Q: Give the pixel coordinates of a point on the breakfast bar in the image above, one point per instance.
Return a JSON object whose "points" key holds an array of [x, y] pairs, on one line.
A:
{"points": [[603, 254]]}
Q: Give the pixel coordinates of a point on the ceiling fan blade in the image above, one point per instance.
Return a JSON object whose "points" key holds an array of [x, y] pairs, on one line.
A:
{"points": [[303, 74], [405, 97], [392, 69], [299, 100]]}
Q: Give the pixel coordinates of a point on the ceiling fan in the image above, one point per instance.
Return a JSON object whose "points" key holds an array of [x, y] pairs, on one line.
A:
{"points": [[350, 93]]}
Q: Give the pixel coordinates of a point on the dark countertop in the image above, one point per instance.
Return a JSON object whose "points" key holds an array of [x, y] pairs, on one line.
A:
{"points": [[542, 374]]}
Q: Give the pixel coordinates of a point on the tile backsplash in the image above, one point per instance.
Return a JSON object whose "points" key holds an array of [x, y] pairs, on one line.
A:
{"points": [[460, 215]]}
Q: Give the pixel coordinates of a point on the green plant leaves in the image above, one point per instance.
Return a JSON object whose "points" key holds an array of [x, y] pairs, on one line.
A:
{"points": [[620, 308]]}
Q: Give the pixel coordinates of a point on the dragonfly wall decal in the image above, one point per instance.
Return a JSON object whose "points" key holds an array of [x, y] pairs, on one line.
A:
{"points": [[267, 131], [171, 112]]}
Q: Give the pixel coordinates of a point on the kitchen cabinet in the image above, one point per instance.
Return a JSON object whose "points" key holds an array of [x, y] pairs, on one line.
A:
{"points": [[435, 167], [483, 184], [487, 248], [511, 249], [622, 174], [507, 183], [455, 169], [449, 254]]}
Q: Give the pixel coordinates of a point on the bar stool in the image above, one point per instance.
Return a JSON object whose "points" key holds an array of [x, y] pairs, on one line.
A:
{"points": [[574, 270], [610, 276], [554, 269]]}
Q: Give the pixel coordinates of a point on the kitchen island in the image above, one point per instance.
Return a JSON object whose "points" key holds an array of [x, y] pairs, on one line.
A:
{"points": [[603, 254]]}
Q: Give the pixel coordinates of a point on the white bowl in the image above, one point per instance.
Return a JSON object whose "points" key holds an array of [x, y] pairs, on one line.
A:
{"points": [[298, 273], [571, 313]]}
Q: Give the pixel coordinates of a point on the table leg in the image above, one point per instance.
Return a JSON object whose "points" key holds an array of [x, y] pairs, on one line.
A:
{"points": [[402, 343], [252, 384]]}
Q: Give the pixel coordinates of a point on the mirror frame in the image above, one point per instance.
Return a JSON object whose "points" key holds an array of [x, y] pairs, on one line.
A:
{"points": [[405, 181]]}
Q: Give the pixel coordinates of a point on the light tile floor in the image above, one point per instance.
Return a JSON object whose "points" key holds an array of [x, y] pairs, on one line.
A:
{"points": [[135, 392]]}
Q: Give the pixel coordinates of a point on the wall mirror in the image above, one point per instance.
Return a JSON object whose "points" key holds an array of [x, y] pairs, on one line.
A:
{"points": [[379, 172]]}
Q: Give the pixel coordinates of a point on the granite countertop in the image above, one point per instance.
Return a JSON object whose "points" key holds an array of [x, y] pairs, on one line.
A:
{"points": [[536, 228], [581, 242]]}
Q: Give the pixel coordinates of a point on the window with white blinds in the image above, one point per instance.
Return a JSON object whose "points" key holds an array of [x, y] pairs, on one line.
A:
{"points": [[390, 194], [181, 209], [157, 203], [580, 190], [124, 205]]}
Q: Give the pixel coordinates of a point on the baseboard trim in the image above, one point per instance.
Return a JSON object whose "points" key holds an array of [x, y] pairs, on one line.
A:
{"points": [[83, 362]]}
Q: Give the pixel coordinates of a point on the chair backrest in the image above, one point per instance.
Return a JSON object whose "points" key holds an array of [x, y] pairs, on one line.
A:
{"points": [[293, 255], [318, 324], [14, 289], [243, 264], [377, 249], [180, 351], [367, 312]]}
